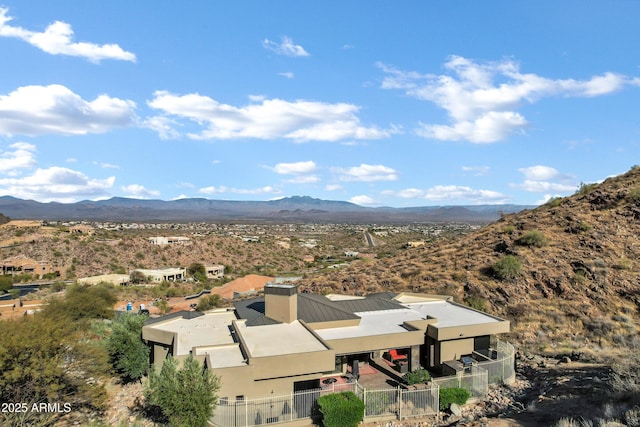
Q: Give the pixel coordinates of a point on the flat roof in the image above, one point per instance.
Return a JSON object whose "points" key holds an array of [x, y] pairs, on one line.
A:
{"points": [[382, 322], [224, 356], [451, 315], [278, 340], [210, 329], [379, 322]]}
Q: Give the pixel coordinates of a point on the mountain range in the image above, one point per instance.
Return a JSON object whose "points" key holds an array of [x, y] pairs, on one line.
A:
{"points": [[294, 209]]}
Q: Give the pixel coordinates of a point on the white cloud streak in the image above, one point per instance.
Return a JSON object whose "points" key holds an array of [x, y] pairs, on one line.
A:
{"points": [[299, 120], [545, 179], [21, 157], [286, 47], [303, 172], [481, 99], [139, 191], [57, 39], [54, 109], [448, 193], [56, 184], [363, 200], [367, 173], [223, 190]]}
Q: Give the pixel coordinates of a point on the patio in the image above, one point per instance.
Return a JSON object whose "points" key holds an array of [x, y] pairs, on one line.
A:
{"points": [[377, 374]]}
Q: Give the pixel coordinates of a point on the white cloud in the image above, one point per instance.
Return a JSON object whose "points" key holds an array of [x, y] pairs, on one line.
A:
{"points": [[440, 193], [22, 157], [477, 170], [106, 165], [363, 200], [333, 187], [545, 179], [270, 118], [54, 109], [296, 168], [286, 47], [56, 184], [223, 189], [287, 74], [164, 126], [57, 39], [303, 172], [139, 192], [481, 99], [490, 127], [367, 173]]}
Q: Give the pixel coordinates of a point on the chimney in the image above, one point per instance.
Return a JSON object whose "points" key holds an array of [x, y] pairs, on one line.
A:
{"points": [[281, 302]]}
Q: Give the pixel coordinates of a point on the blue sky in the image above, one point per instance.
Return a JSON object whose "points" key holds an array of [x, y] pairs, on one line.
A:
{"points": [[407, 103]]}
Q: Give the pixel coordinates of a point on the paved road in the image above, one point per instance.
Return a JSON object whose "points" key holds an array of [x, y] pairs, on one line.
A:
{"points": [[369, 238]]}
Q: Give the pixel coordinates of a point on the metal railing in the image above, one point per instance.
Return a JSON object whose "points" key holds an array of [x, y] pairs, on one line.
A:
{"points": [[398, 402], [276, 409]]}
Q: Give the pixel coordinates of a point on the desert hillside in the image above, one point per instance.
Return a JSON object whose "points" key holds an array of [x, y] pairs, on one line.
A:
{"points": [[566, 273]]}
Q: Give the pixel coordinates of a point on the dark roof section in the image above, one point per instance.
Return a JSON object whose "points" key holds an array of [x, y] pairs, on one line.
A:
{"points": [[182, 313], [374, 302], [253, 311], [314, 308]]}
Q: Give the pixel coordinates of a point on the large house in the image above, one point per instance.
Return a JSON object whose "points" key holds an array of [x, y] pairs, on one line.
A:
{"points": [[20, 264], [163, 274], [288, 341]]}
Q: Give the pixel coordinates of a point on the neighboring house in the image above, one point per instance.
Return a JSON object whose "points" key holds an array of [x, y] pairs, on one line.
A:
{"points": [[163, 240], [285, 341], [22, 265], [17, 308], [214, 271], [115, 279], [164, 274], [415, 244], [351, 254], [81, 229]]}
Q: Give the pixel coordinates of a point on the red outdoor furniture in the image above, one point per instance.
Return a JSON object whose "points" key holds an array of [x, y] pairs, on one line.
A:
{"points": [[395, 357]]}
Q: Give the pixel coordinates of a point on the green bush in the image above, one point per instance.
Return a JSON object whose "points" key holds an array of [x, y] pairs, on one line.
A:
{"points": [[554, 201], [585, 189], [417, 377], [477, 303], [456, 395], [128, 354], [533, 238], [208, 302], [186, 396], [508, 267], [341, 409]]}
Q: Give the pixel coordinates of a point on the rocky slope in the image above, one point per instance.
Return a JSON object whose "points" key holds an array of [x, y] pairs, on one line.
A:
{"points": [[573, 269]]}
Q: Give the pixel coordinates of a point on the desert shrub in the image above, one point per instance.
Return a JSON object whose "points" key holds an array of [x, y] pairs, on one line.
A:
{"points": [[477, 303], [508, 267], [83, 302], [533, 238], [509, 229], [208, 302], [623, 264], [6, 283], [455, 395], [634, 195], [585, 189], [186, 396], [341, 409], [128, 354], [417, 377], [554, 202]]}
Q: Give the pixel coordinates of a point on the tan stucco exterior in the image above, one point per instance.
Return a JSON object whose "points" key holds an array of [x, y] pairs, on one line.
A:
{"points": [[270, 359]]}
